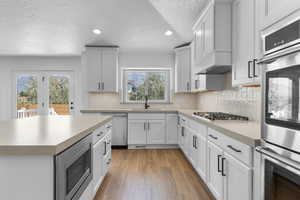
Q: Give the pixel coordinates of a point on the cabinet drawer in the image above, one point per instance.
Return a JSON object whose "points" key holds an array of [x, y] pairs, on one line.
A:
{"points": [[216, 137], [98, 134], [239, 150], [198, 128], [146, 116]]}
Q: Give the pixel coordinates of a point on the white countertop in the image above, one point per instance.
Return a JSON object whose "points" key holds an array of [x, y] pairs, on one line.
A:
{"points": [[46, 135]]}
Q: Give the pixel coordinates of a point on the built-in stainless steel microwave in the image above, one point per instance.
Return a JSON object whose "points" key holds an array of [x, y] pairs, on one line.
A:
{"points": [[286, 35], [73, 170]]}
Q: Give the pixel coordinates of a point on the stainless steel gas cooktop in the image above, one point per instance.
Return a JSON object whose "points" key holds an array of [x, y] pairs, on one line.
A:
{"points": [[219, 116]]}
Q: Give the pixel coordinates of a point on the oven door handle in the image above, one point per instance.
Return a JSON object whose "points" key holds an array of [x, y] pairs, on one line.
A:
{"points": [[270, 153]]}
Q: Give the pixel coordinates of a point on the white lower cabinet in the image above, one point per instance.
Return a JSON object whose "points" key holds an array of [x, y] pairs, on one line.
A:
{"points": [[237, 179], [101, 158], [98, 164], [137, 133], [181, 136], [171, 128], [201, 146], [214, 175], [223, 163], [156, 132], [153, 130]]}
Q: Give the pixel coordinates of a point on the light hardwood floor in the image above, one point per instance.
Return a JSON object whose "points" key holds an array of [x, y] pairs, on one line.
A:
{"points": [[151, 175]]}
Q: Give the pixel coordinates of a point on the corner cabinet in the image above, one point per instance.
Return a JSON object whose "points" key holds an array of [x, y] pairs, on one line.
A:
{"points": [[101, 69], [245, 48], [183, 69], [212, 36]]}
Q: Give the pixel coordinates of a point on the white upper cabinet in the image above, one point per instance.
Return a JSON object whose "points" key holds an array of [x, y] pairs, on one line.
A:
{"points": [[102, 69], [245, 71], [183, 69], [212, 36], [109, 70], [270, 11]]}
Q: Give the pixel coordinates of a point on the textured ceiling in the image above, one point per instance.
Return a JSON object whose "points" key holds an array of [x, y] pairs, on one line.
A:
{"points": [[63, 27], [180, 14]]}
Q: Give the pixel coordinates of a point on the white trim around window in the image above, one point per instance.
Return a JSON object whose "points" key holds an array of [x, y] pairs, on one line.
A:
{"points": [[146, 72]]}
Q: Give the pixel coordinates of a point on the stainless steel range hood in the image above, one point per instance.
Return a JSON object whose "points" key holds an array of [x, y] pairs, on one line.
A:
{"points": [[215, 70]]}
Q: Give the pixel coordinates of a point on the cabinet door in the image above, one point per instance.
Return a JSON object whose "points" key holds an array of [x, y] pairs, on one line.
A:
{"points": [[243, 41], [199, 43], [94, 62], [201, 145], [172, 136], [181, 137], [156, 132], [188, 142], [274, 10], [119, 130], [109, 70], [214, 177], [97, 164], [208, 30], [183, 69], [137, 132], [238, 180]]}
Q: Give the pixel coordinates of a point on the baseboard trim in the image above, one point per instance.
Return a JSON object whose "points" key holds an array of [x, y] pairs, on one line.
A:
{"points": [[154, 146]]}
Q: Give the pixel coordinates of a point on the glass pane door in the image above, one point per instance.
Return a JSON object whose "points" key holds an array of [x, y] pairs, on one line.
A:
{"points": [[27, 95], [60, 102], [43, 93]]}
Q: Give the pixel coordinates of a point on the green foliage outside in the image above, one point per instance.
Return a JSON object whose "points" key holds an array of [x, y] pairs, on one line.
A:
{"points": [[154, 85], [58, 90]]}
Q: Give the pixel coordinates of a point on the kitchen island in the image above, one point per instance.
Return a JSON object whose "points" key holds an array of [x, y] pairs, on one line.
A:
{"points": [[29, 149]]}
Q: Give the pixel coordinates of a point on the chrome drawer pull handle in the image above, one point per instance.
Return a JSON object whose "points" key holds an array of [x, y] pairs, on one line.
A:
{"points": [[234, 149], [213, 137]]}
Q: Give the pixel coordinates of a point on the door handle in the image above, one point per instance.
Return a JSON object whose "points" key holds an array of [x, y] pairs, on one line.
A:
{"points": [[213, 137], [254, 66], [144, 126], [99, 85], [234, 149], [219, 170], [102, 85], [196, 139], [148, 125], [249, 63], [223, 159], [104, 148], [193, 141]]}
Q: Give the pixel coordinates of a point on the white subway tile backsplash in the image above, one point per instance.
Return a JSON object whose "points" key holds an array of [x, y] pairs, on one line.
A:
{"points": [[244, 101]]}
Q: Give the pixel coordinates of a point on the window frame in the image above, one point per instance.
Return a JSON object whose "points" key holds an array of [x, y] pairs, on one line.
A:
{"points": [[167, 94]]}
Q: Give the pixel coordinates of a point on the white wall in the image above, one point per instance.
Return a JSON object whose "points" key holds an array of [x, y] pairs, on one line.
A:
{"points": [[8, 64]]}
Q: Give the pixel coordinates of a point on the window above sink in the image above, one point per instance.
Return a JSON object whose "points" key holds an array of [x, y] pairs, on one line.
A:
{"points": [[141, 82]]}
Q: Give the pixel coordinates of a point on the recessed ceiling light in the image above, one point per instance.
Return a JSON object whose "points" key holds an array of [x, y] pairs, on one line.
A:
{"points": [[168, 33], [97, 31]]}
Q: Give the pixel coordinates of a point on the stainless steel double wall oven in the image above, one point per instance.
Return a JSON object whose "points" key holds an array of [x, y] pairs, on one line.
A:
{"points": [[281, 115]]}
